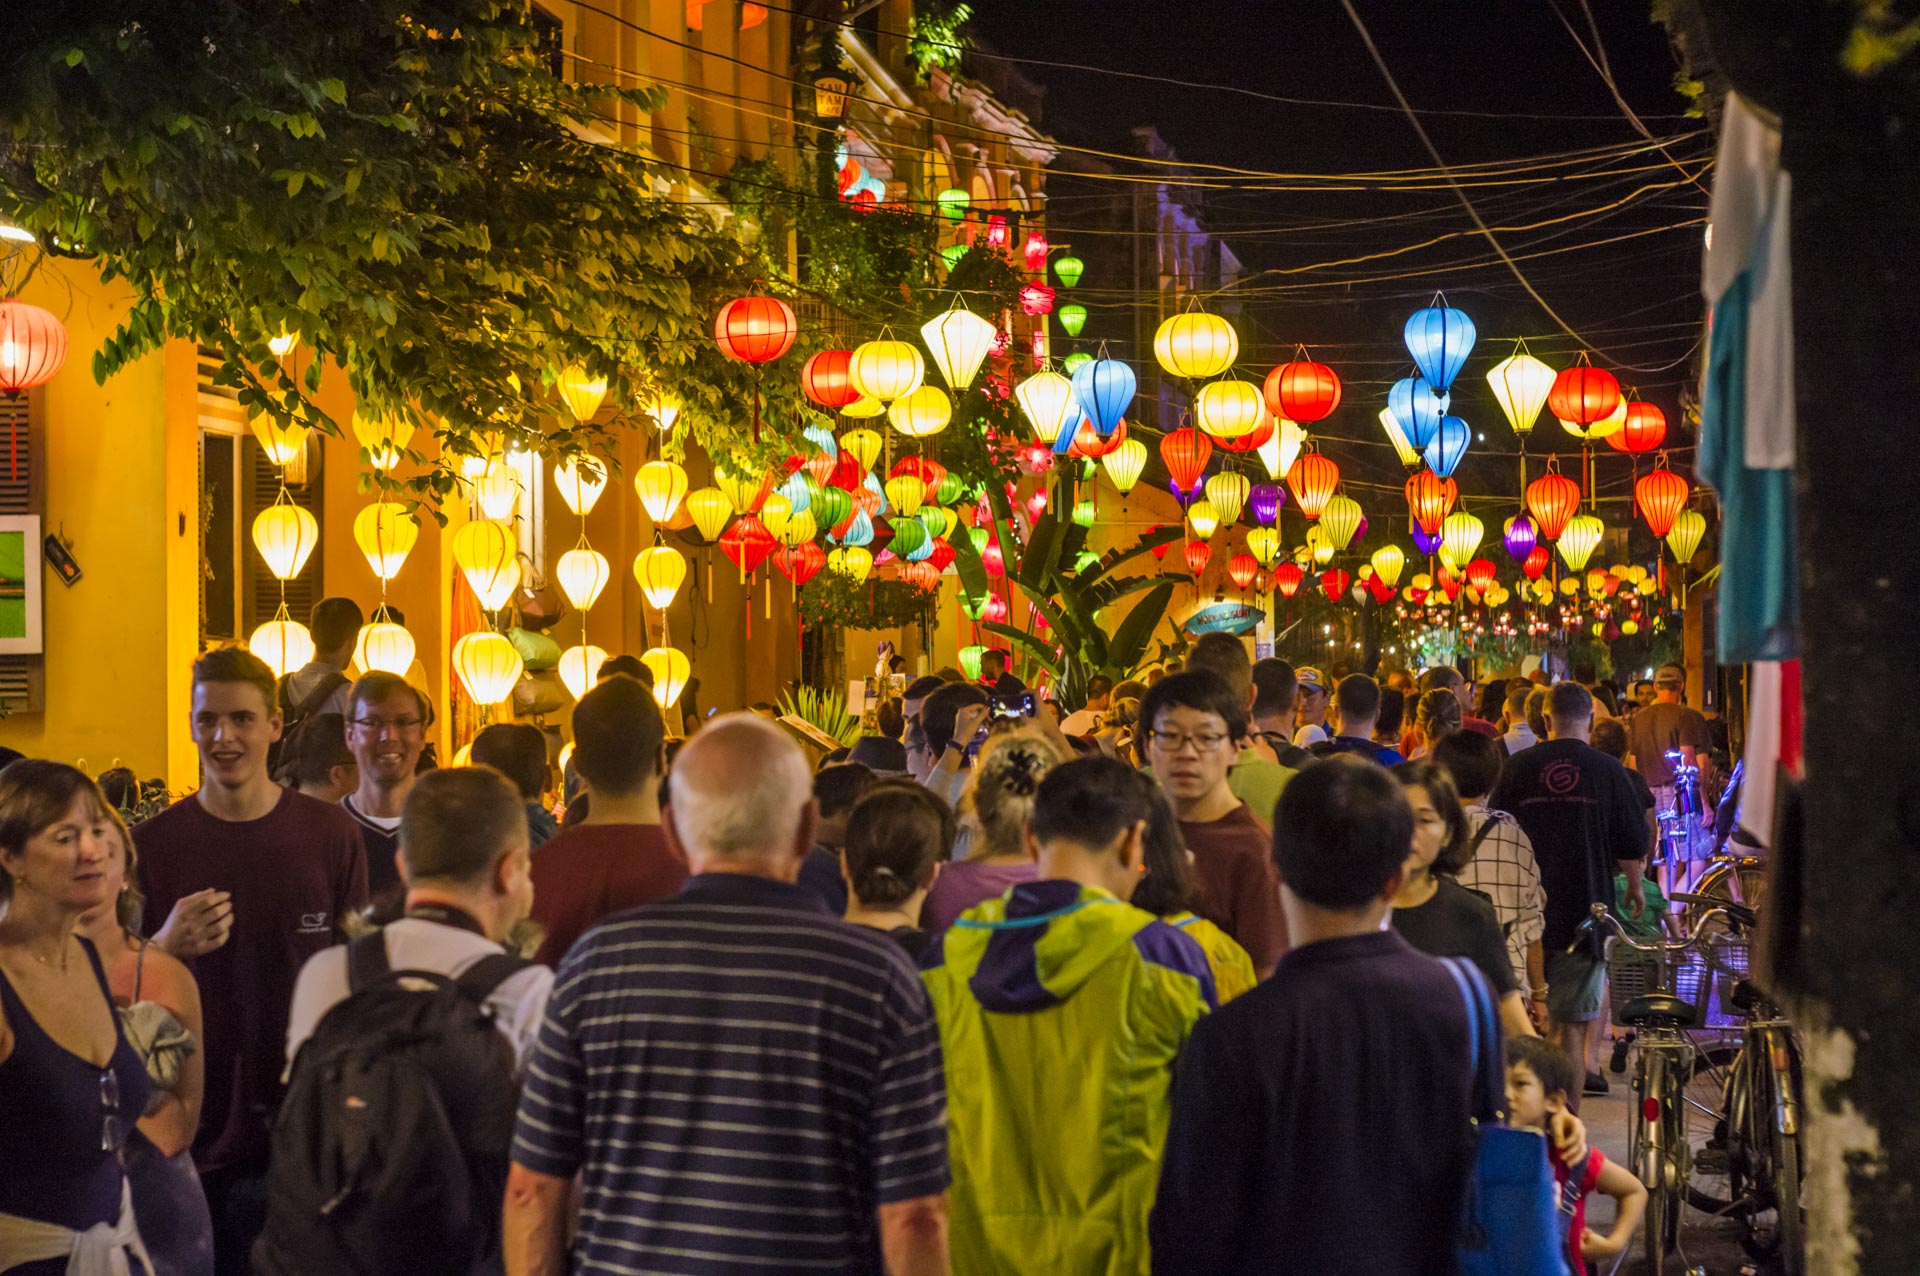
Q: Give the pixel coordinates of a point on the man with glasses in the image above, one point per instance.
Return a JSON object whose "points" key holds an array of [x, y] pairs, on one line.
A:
{"points": [[386, 729], [1191, 722]]}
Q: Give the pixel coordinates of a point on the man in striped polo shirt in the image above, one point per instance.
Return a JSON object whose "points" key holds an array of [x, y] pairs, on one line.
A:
{"points": [[742, 1081]]}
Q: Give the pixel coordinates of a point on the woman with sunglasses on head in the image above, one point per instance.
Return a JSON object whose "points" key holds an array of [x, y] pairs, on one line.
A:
{"points": [[71, 1084]]}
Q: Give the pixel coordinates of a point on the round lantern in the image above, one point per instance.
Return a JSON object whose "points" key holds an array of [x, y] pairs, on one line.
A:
{"points": [[582, 573], [1264, 501], [800, 563], [1480, 575], [912, 542], [580, 483], [1203, 519], [488, 666], [285, 535], [1430, 499], [1520, 383], [1551, 500], [384, 647], [1644, 429], [1227, 493], [661, 486], [1198, 555], [280, 440], [386, 533], [580, 668], [960, 342], [1319, 547], [1312, 479], [1683, 538], [383, 438], [1519, 537], [1536, 562], [1287, 578], [1229, 409], [755, 329], [1069, 269], [1196, 345], [1388, 562], [953, 203], [1264, 544], [1417, 407], [1439, 338], [488, 446], [1124, 465], [1334, 583], [1302, 391], [487, 555], [885, 369], [1584, 394], [284, 644], [1341, 521], [710, 509], [1185, 454], [671, 670], [1282, 449], [1241, 569], [1662, 495], [1460, 536], [33, 346], [1579, 539], [583, 394], [1103, 389], [1047, 399], [824, 379]]}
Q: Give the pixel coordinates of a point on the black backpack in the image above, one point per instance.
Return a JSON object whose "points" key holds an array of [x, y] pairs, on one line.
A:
{"points": [[292, 714], [390, 1149]]}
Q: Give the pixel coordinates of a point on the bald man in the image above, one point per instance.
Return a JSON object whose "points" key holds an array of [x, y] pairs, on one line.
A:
{"points": [[676, 1007]]}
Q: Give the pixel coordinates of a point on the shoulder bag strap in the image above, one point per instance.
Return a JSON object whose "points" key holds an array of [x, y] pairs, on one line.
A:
{"points": [[480, 980], [367, 960], [1486, 827], [1483, 1038]]}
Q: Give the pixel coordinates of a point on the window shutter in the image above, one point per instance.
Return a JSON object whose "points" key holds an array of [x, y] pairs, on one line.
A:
{"points": [[22, 677], [260, 487]]}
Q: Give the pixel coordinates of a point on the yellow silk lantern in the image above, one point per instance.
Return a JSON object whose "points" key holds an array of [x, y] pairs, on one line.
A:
{"points": [[660, 571], [886, 369], [580, 483], [1521, 382], [924, 412], [583, 394], [384, 437], [949, 519], [280, 440], [671, 669], [1579, 539], [384, 647], [800, 529], [851, 561], [1683, 538], [710, 509], [1612, 423], [661, 485], [386, 533], [775, 512], [1047, 399], [490, 446], [488, 666], [1569, 586], [497, 492], [285, 535], [580, 668], [1388, 562], [1264, 544], [1228, 409], [1398, 437], [1460, 536], [1319, 545], [1203, 519], [1125, 464], [1196, 345], [960, 342], [665, 410], [864, 445], [864, 409], [283, 643], [1227, 493], [907, 492], [1341, 519], [1282, 448], [487, 555], [582, 573], [741, 491]]}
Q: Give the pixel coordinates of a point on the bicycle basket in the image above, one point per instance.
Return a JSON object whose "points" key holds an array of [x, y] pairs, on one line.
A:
{"points": [[1632, 974], [1727, 963]]}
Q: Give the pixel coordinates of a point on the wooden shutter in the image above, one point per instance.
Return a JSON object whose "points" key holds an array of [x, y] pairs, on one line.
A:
{"points": [[22, 677]]}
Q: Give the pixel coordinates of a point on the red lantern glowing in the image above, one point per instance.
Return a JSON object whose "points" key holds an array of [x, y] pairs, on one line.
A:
{"points": [[1450, 583], [1287, 578], [993, 559], [1584, 394], [1535, 565], [1381, 591], [33, 345], [1552, 499], [1480, 574], [997, 233], [755, 329], [1036, 252], [1241, 569], [1087, 442], [1036, 299], [1333, 583], [942, 555], [1249, 442], [801, 563], [1313, 478], [1645, 429], [1431, 498], [1160, 550], [824, 379], [1199, 554], [1185, 453], [747, 543], [1302, 391], [1662, 495]]}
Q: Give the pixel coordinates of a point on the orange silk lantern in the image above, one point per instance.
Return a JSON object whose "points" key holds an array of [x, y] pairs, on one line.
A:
{"points": [[1431, 499], [33, 346], [1662, 495], [1584, 394], [1252, 442], [824, 379], [1313, 478], [1302, 391], [1287, 578], [755, 329], [1185, 452], [1199, 554], [1241, 569], [1645, 429], [1552, 499]]}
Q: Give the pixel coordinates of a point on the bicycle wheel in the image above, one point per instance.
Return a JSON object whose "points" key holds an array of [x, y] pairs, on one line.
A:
{"points": [[1710, 1178], [1773, 1226], [1653, 1158]]}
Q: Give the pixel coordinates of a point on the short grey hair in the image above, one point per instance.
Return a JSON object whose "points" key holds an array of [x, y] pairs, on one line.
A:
{"points": [[739, 788]]}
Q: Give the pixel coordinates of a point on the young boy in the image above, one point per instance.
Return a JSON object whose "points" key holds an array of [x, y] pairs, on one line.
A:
{"points": [[1539, 1079]]}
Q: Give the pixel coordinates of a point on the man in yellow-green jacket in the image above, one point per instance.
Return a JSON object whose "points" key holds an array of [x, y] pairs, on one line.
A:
{"points": [[1062, 1009]]}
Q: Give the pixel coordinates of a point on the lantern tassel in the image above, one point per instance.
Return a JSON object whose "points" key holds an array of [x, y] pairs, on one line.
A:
{"points": [[756, 409], [769, 598]]}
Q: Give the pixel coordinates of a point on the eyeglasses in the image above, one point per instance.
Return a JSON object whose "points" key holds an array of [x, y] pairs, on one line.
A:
{"points": [[379, 726], [110, 1131], [1174, 741]]}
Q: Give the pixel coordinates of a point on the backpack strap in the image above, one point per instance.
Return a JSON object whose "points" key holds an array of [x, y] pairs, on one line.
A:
{"points": [[480, 980], [1483, 1039], [328, 684], [367, 960]]}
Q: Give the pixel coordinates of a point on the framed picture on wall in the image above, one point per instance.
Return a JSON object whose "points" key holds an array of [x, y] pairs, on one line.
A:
{"points": [[20, 578]]}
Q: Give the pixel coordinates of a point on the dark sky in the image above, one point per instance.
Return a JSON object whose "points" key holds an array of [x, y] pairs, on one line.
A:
{"points": [[1636, 300]]}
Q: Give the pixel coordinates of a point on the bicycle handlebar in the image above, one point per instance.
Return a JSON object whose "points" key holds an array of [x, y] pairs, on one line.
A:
{"points": [[1600, 914]]}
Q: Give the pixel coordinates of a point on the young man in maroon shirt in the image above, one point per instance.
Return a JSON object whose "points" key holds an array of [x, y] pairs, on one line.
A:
{"points": [[616, 858], [263, 877], [1194, 727]]}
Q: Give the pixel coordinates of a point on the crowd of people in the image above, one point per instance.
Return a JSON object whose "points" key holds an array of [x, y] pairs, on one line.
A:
{"points": [[1148, 987]]}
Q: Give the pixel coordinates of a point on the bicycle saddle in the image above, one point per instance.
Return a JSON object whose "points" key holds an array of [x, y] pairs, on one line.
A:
{"points": [[1659, 1009]]}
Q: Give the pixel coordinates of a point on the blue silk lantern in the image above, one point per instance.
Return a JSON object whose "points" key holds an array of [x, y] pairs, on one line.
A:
{"points": [[1520, 537], [1424, 543], [1448, 446], [822, 437], [1439, 338], [795, 489], [1417, 410], [1265, 500], [859, 531], [872, 484], [1104, 389]]}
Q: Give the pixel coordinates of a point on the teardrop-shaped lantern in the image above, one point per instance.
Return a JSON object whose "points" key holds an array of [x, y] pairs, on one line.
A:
{"points": [[1388, 562], [1683, 538], [280, 440], [583, 394], [1103, 389], [671, 669], [284, 644], [660, 571], [582, 574], [1460, 537], [1417, 409], [386, 533], [1312, 480], [1430, 499], [1047, 399], [1264, 544], [1282, 449], [1185, 453], [710, 509], [1520, 384], [1662, 495], [959, 341], [1448, 446], [1125, 464], [487, 554], [384, 647], [1203, 520], [384, 437], [1519, 536], [1227, 493], [1341, 519], [661, 486], [1402, 448], [1439, 339], [497, 492], [488, 666], [580, 668], [1552, 499], [580, 483], [1579, 539], [285, 534]]}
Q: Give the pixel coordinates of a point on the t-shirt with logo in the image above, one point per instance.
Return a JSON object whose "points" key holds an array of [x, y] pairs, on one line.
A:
{"points": [[294, 874], [1581, 812]]}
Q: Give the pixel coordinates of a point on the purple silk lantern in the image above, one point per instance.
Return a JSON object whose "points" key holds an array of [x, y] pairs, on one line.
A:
{"points": [[1520, 537], [1359, 532], [1265, 500], [1424, 543]]}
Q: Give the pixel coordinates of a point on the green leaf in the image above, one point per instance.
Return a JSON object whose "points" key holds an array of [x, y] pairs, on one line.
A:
{"points": [[335, 89], [1041, 652], [1130, 639], [967, 564], [295, 181], [75, 57]]}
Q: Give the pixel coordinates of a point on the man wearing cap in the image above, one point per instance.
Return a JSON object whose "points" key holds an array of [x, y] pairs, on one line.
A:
{"points": [[1310, 708], [1666, 724]]}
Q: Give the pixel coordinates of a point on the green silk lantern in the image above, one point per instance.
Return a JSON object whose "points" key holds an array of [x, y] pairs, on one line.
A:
{"points": [[970, 656], [1073, 317], [1069, 269], [954, 203]]}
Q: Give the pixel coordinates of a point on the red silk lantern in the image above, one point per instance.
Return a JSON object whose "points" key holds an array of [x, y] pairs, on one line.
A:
{"points": [[1036, 299], [1160, 550], [747, 543], [1241, 569], [942, 555], [755, 329], [1584, 394], [846, 472], [33, 346], [1199, 554], [1251, 441], [824, 379], [1449, 582], [1036, 252], [1302, 391], [997, 233], [1552, 499], [1287, 578], [993, 559], [1333, 583], [1480, 574], [1535, 565], [1185, 453], [1381, 591], [995, 610], [1645, 429], [801, 563], [1431, 498], [1313, 478], [1662, 495]]}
